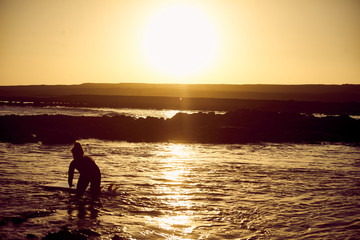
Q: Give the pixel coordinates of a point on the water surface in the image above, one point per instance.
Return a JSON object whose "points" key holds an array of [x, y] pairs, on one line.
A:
{"points": [[95, 112], [187, 191]]}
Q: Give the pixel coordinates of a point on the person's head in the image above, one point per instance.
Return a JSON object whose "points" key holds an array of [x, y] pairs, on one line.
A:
{"points": [[77, 150]]}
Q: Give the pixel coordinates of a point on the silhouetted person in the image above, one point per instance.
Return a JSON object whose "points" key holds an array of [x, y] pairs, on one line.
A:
{"points": [[89, 172]]}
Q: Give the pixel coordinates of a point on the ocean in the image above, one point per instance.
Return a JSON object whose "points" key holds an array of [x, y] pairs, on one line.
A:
{"points": [[95, 112], [164, 190]]}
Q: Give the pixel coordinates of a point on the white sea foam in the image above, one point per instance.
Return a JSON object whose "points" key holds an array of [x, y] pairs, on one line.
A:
{"points": [[82, 111]]}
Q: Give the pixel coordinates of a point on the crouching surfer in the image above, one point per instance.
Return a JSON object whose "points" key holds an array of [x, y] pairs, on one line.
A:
{"points": [[89, 172]]}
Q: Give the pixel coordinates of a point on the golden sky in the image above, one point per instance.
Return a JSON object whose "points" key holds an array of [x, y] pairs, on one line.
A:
{"points": [[173, 41]]}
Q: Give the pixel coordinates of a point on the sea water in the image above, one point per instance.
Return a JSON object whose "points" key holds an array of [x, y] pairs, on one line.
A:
{"points": [[95, 112], [185, 191]]}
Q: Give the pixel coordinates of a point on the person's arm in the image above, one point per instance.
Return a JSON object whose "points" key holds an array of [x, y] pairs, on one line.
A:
{"points": [[71, 174]]}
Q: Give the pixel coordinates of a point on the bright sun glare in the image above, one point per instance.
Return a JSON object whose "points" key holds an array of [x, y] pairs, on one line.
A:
{"points": [[180, 41]]}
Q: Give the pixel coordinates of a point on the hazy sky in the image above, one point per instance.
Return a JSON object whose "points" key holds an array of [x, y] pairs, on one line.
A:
{"points": [[170, 41]]}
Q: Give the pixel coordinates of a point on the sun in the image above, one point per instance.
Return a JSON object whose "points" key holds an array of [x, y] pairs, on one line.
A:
{"points": [[180, 40]]}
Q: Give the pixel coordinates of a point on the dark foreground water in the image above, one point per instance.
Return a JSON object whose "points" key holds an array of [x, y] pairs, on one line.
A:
{"points": [[185, 191]]}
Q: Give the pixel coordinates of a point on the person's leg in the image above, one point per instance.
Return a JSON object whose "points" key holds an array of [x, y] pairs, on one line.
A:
{"points": [[95, 186], [82, 185]]}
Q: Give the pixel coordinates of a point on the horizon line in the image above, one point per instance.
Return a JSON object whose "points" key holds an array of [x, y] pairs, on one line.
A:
{"points": [[184, 84]]}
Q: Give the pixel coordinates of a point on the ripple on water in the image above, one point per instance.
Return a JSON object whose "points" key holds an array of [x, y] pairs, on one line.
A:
{"points": [[188, 191]]}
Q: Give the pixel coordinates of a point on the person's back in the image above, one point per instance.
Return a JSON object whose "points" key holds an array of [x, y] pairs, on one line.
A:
{"points": [[85, 165], [89, 172]]}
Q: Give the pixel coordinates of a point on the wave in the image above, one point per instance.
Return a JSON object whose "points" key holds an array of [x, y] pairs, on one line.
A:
{"points": [[243, 126], [94, 112]]}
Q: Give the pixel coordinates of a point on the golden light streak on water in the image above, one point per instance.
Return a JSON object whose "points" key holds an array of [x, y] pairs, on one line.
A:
{"points": [[175, 193]]}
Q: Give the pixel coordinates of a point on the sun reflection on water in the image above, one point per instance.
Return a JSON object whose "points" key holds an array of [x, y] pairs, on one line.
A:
{"points": [[175, 194], [179, 151], [180, 224]]}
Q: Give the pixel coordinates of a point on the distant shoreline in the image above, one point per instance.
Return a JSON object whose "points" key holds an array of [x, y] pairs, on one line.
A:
{"points": [[323, 99], [312, 93], [255, 113], [175, 103]]}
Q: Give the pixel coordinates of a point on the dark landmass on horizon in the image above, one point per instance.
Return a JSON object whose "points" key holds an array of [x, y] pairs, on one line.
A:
{"points": [[326, 99], [314, 93], [256, 113]]}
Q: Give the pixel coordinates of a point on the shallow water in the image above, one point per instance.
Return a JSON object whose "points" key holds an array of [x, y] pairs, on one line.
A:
{"points": [[187, 191], [95, 112]]}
